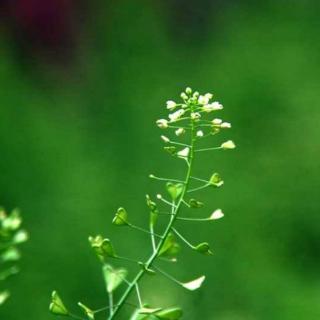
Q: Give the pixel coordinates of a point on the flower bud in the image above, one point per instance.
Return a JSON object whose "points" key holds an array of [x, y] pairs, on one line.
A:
{"points": [[162, 123], [188, 90], [216, 121], [184, 96], [228, 145], [225, 125], [171, 105], [200, 134], [180, 132], [165, 139]]}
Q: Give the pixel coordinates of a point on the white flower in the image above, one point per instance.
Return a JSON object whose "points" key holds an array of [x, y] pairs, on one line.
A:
{"points": [[225, 125], [159, 196], [165, 139], [171, 105], [199, 133], [195, 115], [208, 96], [184, 152], [228, 145], [217, 214], [203, 100], [162, 123], [212, 107], [195, 95], [180, 131], [176, 115], [216, 121]]}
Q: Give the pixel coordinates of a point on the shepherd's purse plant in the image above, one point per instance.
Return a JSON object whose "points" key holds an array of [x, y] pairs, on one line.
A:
{"points": [[190, 123], [11, 236]]}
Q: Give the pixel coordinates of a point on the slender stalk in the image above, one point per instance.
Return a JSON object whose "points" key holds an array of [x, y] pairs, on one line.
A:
{"points": [[110, 303], [175, 211], [153, 240]]}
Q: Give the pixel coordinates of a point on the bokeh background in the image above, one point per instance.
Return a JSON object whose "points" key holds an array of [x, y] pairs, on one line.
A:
{"points": [[82, 83]]}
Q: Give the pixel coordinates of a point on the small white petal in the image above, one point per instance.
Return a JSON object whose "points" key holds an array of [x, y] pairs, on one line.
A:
{"points": [[225, 125], [180, 131], [159, 196], [216, 105], [184, 152], [208, 96], [228, 145], [176, 115], [165, 139], [203, 100], [200, 134], [212, 107], [194, 284], [171, 105], [217, 214], [216, 121], [162, 123]]}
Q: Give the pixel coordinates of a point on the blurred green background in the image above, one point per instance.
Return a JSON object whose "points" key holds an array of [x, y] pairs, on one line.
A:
{"points": [[82, 84]]}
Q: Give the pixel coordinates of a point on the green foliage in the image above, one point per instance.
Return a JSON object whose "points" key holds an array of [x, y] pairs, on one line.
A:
{"points": [[11, 236], [188, 119]]}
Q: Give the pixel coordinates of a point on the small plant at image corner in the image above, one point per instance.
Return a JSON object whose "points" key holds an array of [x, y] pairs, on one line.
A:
{"points": [[11, 236]]}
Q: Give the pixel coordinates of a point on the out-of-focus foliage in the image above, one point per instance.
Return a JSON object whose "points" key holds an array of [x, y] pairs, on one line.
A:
{"points": [[66, 133], [11, 235]]}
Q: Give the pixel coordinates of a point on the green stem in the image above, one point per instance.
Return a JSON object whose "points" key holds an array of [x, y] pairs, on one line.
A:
{"points": [[175, 212]]}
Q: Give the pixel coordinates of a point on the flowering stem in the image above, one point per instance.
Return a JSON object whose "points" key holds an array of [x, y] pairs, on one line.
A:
{"points": [[208, 149], [175, 211], [110, 303]]}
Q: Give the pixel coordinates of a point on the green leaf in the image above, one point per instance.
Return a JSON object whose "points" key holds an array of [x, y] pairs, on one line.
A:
{"points": [[4, 295], [174, 189], [57, 307], [203, 248], [87, 311], [113, 277], [172, 150], [157, 313], [216, 180], [149, 310], [153, 210], [170, 248], [102, 247], [121, 218], [169, 314], [195, 204]]}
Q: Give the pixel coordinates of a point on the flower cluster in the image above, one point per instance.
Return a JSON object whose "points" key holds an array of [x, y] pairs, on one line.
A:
{"points": [[188, 122], [193, 107]]}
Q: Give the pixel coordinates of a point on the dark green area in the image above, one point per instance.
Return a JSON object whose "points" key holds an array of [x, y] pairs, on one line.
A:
{"points": [[76, 144]]}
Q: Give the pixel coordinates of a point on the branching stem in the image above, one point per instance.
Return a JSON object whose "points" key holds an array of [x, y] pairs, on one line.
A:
{"points": [[175, 211]]}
